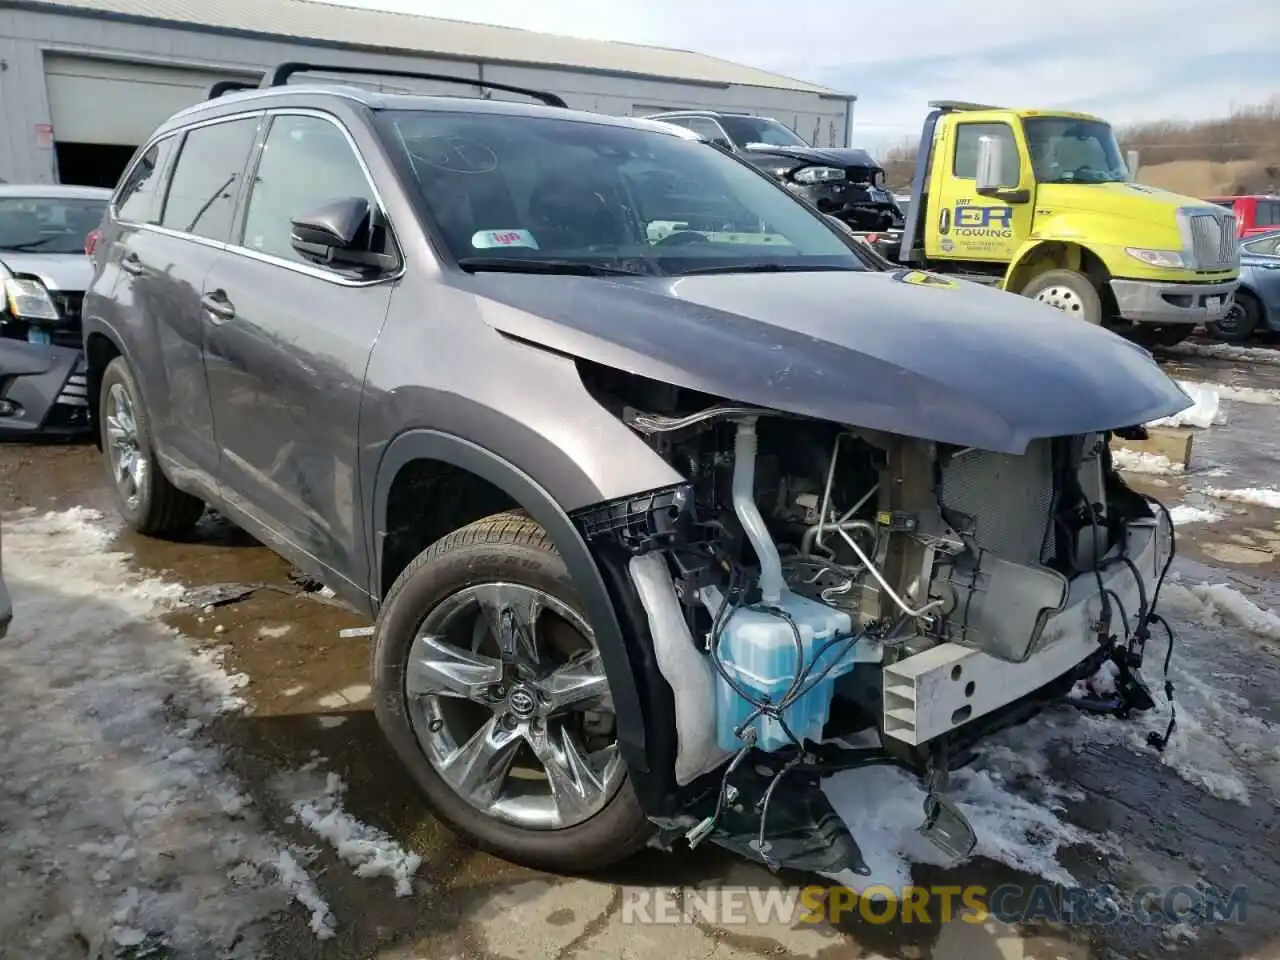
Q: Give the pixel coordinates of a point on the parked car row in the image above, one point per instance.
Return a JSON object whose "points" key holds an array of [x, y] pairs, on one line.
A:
{"points": [[654, 478]]}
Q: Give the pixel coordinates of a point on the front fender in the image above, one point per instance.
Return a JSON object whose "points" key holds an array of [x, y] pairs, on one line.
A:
{"points": [[1017, 275], [524, 490]]}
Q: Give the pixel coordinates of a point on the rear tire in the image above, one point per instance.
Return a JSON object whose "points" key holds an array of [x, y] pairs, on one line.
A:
{"points": [[147, 501], [1240, 322], [1068, 291], [454, 689]]}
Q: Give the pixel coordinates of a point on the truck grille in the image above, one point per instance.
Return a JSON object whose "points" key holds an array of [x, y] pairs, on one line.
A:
{"points": [[1213, 240], [1007, 498]]}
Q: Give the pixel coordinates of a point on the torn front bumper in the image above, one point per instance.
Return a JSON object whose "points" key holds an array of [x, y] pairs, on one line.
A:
{"points": [[44, 390], [943, 688], [1150, 301]]}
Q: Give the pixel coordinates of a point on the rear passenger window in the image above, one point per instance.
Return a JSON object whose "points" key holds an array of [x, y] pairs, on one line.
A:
{"points": [[306, 163], [1269, 213], [202, 191], [136, 200]]}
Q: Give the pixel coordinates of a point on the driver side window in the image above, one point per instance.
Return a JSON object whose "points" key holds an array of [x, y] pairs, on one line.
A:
{"points": [[306, 162], [968, 138]]}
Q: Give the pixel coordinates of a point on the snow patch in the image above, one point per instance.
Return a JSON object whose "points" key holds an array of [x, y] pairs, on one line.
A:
{"points": [[1183, 514], [1226, 602], [121, 824], [1251, 395], [369, 850], [1203, 412], [884, 806], [1257, 496], [1137, 461], [1226, 351]]}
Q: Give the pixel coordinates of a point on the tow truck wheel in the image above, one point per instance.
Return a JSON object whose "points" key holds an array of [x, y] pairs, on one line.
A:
{"points": [[1069, 291]]}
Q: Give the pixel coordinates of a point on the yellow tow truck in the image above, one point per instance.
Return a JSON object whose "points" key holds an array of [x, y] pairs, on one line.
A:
{"points": [[1043, 204]]}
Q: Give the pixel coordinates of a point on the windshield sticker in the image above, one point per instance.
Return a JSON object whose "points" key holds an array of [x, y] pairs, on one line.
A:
{"points": [[498, 239]]}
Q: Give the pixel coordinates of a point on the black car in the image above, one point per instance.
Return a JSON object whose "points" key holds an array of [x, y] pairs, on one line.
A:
{"points": [[844, 182]]}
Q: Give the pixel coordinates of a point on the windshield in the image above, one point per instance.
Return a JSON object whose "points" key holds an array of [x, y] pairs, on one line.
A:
{"points": [[1067, 150], [566, 193], [766, 130], [48, 224]]}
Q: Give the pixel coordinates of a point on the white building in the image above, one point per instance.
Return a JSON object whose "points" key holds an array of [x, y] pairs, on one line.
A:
{"points": [[83, 82]]}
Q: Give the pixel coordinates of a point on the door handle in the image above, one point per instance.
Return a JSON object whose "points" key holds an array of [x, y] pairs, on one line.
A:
{"points": [[131, 264], [219, 308]]}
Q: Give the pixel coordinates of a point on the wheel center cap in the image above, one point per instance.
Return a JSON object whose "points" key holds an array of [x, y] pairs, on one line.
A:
{"points": [[522, 702]]}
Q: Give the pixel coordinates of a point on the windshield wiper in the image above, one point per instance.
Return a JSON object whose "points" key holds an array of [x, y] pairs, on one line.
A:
{"points": [[764, 266], [29, 245], [573, 268]]}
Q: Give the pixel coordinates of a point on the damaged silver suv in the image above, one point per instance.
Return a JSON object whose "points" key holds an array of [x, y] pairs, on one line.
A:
{"points": [[663, 493]]}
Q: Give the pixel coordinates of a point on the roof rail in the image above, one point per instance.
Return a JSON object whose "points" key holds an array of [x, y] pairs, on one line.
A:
{"points": [[960, 105], [220, 87], [280, 75]]}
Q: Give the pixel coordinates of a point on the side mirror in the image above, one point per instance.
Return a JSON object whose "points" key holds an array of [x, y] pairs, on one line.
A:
{"points": [[990, 164], [1131, 160], [339, 234]]}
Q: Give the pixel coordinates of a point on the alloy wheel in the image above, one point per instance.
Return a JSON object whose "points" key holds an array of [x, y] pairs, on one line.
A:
{"points": [[508, 699], [128, 462]]}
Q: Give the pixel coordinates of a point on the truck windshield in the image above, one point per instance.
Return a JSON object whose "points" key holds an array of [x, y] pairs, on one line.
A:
{"points": [[766, 130], [567, 196], [1068, 150]]}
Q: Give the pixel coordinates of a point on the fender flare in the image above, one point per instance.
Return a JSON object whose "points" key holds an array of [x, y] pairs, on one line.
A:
{"points": [[422, 444], [1029, 247], [96, 325]]}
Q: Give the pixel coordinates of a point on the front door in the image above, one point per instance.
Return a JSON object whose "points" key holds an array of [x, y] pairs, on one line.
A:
{"points": [[287, 342], [968, 226]]}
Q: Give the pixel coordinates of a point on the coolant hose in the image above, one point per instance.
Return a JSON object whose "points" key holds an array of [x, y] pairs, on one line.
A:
{"points": [[744, 505]]}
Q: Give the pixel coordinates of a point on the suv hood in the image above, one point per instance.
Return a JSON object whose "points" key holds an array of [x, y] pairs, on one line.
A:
{"points": [[827, 156], [66, 272], [899, 351]]}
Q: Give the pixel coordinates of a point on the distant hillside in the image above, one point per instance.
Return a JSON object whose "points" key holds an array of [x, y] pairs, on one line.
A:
{"points": [[1234, 155]]}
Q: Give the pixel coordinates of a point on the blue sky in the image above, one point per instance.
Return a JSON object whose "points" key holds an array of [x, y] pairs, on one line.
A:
{"points": [[1127, 60]]}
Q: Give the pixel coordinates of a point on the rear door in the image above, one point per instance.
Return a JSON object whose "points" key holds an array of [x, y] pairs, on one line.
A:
{"points": [[175, 213], [287, 343]]}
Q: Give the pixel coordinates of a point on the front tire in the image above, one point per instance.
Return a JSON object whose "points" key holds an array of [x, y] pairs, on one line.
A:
{"points": [[145, 498], [1068, 291], [489, 686], [1239, 323]]}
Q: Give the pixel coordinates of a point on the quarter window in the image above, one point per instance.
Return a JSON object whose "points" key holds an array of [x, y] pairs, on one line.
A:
{"points": [[306, 163], [136, 200], [707, 129], [1266, 246], [202, 193], [969, 136]]}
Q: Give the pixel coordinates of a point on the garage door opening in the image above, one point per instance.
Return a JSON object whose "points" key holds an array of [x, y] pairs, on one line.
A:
{"points": [[91, 164]]}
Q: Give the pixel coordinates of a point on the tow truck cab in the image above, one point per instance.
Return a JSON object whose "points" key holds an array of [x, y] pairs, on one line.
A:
{"points": [[1043, 203]]}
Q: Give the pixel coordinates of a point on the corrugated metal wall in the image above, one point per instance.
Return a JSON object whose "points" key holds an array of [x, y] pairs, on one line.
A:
{"points": [[29, 41]]}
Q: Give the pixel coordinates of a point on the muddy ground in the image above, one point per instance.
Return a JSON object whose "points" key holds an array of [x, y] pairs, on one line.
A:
{"points": [[310, 701]]}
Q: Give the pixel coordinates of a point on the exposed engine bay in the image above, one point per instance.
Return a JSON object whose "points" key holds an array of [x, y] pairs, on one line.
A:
{"points": [[823, 597]]}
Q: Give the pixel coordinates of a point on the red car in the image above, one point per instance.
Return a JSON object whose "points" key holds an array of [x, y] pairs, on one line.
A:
{"points": [[1254, 214]]}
